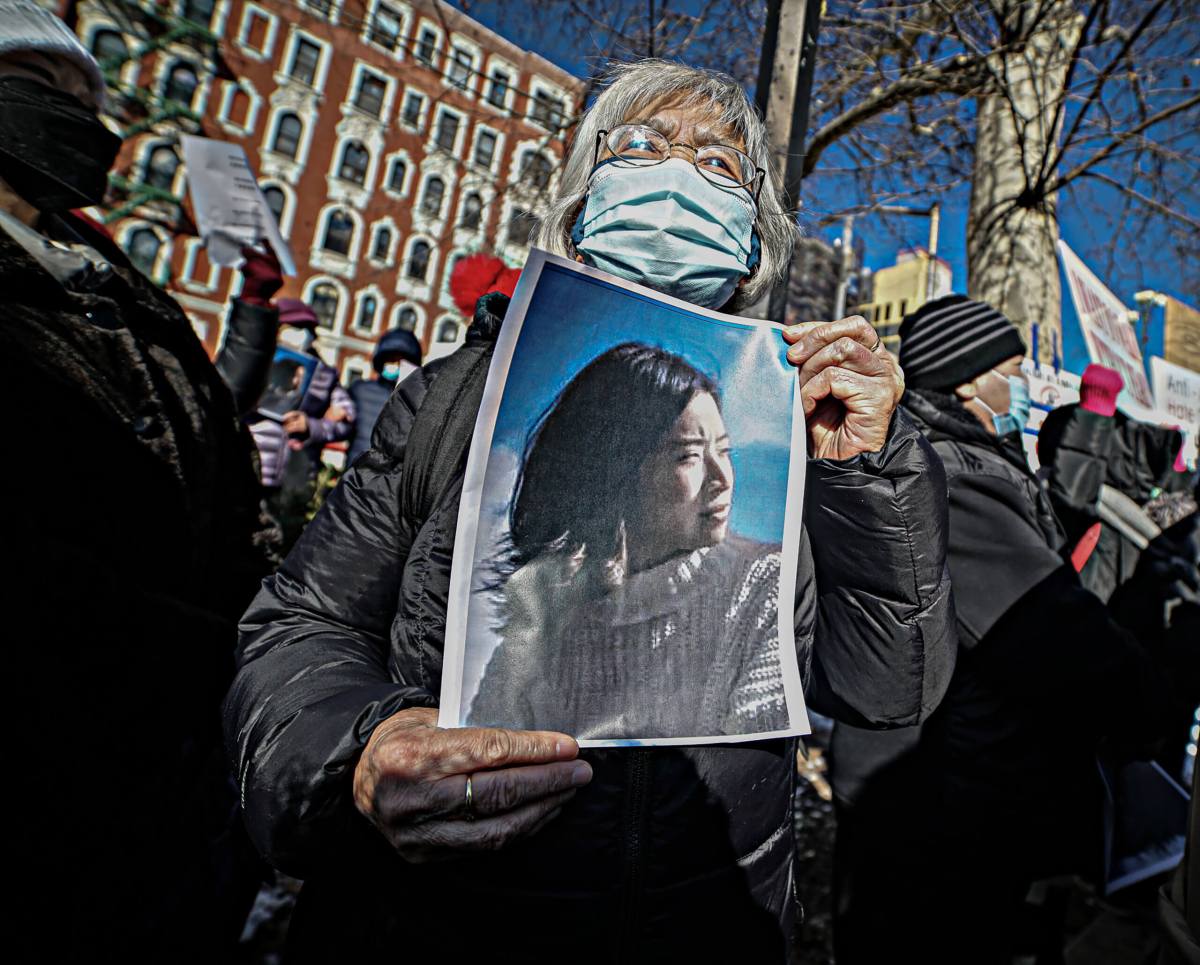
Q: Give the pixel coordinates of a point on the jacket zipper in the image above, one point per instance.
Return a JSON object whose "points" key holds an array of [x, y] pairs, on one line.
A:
{"points": [[635, 818]]}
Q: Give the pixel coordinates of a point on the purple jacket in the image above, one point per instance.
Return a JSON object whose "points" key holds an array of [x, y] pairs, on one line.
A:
{"points": [[324, 391]]}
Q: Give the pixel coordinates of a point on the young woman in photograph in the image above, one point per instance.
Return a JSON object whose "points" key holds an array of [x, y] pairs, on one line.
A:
{"points": [[631, 610]]}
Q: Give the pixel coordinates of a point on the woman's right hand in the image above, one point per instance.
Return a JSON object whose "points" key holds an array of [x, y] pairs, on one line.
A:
{"points": [[411, 783]]}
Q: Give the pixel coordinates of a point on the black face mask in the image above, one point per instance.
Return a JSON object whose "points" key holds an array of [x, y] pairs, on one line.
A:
{"points": [[54, 152]]}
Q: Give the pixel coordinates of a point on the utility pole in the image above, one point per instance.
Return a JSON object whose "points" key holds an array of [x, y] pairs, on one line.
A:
{"points": [[785, 76]]}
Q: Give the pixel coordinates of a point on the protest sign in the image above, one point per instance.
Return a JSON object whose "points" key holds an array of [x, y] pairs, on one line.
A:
{"points": [[1177, 394], [629, 530], [1049, 388], [230, 209], [1111, 340]]}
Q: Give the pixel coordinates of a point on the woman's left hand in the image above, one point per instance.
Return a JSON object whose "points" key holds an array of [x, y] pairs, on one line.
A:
{"points": [[849, 385]]}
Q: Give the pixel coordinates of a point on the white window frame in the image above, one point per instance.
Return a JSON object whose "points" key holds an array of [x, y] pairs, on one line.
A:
{"points": [[389, 91], [439, 52], [249, 12], [142, 162], [423, 119], [410, 289], [162, 259], [385, 181], [339, 317], [370, 291], [497, 152], [468, 46], [331, 262], [459, 135], [191, 250], [230, 89], [389, 259], [289, 202], [541, 85], [289, 54], [514, 80], [406, 16]]}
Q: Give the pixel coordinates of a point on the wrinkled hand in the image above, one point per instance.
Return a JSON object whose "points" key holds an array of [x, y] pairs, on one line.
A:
{"points": [[849, 385], [262, 275], [411, 784], [295, 424]]}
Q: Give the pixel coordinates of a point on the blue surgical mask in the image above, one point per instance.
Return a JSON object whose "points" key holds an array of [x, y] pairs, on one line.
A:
{"points": [[1019, 406], [669, 228]]}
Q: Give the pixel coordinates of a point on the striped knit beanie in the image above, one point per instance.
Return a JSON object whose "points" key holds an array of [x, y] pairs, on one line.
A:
{"points": [[952, 340]]}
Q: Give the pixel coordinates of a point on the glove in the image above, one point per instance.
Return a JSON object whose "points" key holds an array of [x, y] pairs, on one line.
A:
{"points": [[262, 275]]}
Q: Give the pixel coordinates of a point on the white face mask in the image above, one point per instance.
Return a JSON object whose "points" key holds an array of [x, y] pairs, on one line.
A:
{"points": [[297, 339], [669, 228]]}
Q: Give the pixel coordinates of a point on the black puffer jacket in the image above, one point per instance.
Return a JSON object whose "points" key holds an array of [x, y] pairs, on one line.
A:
{"points": [[956, 818], [1079, 451], [130, 518], [668, 852]]}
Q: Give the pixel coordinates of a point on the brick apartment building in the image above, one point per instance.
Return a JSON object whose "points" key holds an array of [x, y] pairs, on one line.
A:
{"points": [[389, 137]]}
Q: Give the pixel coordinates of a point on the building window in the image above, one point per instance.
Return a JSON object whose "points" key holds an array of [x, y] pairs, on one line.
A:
{"points": [[382, 245], [287, 135], [109, 48], [427, 46], [255, 29], [366, 313], [161, 166], [447, 131], [448, 331], [431, 198], [407, 319], [371, 90], [418, 261], [355, 159], [197, 11], [238, 110], [461, 66], [276, 200], [485, 149], [521, 225], [536, 169], [143, 247], [324, 303], [396, 175], [385, 27], [548, 111], [339, 232], [413, 104], [304, 62], [472, 212], [498, 87], [322, 8], [181, 85]]}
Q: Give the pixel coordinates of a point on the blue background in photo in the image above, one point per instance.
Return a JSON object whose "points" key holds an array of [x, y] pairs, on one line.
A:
{"points": [[749, 365]]}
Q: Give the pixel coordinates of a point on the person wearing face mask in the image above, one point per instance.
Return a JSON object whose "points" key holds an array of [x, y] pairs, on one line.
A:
{"points": [[943, 828], [134, 546], [507, 840], [397, 354]]}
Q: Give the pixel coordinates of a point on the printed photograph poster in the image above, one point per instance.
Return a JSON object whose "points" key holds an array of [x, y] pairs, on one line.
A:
{"points": [[627, 543]]}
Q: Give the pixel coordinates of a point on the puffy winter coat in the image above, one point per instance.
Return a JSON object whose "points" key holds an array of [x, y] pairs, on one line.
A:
{"points": [[131, 551], [1081, 450], [668, 852], [371, 395]]}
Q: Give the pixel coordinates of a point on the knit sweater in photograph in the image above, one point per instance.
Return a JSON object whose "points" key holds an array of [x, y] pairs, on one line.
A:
{"points": [[688, 648]]}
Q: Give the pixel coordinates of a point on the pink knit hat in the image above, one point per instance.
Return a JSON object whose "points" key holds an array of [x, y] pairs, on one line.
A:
{"points": [[1099, 389]]}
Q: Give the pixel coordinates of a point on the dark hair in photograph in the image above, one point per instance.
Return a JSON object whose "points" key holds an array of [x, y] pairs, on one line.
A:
{"points": [[579, 474]]}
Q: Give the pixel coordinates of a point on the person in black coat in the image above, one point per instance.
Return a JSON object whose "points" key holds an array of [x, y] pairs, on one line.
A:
{"points": [[130, 524], [624, 855], [396, 356], [943, 828]]}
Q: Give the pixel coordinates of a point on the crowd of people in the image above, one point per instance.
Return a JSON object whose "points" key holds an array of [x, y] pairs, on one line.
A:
{"points": [[223, 686]]}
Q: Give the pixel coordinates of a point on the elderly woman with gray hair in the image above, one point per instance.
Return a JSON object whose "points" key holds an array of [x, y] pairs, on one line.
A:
{"points": [[510, 845]]}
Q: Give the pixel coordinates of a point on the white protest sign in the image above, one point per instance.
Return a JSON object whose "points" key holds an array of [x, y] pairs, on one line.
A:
{"points": [[231, 211], [1111, 340], [1177, 392], [1048, 389]]}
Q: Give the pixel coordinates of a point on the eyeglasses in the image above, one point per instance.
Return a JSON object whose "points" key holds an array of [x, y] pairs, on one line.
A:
{"points": [[719, 164]]}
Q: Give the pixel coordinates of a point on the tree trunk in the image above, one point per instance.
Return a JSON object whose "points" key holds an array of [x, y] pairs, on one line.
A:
{"points": [[1012, 229]]}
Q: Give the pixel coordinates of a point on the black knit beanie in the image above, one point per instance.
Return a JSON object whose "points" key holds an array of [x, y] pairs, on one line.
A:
{"points": [[952, 340]]}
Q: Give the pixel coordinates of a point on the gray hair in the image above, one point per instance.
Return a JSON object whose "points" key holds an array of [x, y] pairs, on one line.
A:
{"points": [[632, 88]]}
